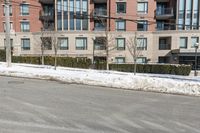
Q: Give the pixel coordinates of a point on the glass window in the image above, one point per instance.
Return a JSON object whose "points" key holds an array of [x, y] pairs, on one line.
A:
{"points": [[25, 43], [194, 41], [142, 25], [120, 25], [85, 14], [25, 27], [65, 5], [63, 43], [81, 43], [65, 14], [120, 60], [71, 7], [120, 43], [47, 42], [141, 60], [24, 9], [11, 43], [10, 10], [183, 42], [142, 7], [121, 7], [85, 5], [99, 43], [141, 43], [11, 26]]}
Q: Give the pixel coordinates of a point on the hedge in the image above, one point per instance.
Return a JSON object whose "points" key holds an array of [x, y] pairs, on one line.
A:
{"points": [[86, 63], [2, 55], [49, 60], [153, 68]]}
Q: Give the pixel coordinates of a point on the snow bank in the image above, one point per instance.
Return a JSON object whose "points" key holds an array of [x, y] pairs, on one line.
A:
{"points": [[146, 82]]}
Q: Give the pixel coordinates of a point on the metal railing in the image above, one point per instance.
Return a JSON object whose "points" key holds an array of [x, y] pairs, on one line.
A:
{"points": [[164, 11], [99, 12]]}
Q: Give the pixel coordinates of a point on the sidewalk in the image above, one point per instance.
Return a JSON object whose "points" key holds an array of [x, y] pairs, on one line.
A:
{"points": [[192, 73]]}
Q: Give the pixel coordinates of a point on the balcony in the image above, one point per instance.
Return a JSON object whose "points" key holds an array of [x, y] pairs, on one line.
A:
{"points": [[98, 12], [46, 1], [46, 16], [163, 26], [99, 1], [164, 13], [162, 0]]}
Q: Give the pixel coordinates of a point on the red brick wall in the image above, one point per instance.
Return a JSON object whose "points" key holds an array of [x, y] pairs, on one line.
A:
{"points": [[33, 17]]}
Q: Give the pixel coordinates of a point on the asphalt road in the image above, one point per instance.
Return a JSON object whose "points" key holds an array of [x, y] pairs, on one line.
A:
{"points": [[38, 106]]}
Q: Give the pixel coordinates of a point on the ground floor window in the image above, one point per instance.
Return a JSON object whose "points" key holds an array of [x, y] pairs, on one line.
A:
{"points": [[25, 43], [120, 60]]}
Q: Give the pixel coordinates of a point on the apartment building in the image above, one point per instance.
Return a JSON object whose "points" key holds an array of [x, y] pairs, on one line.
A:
{"points": [[166, 30]]}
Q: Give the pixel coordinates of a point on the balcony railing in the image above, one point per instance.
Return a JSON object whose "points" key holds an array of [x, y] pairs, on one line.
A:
{"points": [[46, 1], [99, 12], [164, 12], [99, 47], [99, 28], [48, 16], [165, 27]]}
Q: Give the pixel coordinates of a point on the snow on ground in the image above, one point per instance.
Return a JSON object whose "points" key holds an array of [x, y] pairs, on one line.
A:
{"points": [[146, 82]]}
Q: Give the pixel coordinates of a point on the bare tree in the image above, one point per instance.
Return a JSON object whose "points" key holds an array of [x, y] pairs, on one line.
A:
{"points": [[55, 42], [132, 45], [108, 40]]}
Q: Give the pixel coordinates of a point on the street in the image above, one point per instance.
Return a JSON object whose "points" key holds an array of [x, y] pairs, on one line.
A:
{"points": [[40, 106]]}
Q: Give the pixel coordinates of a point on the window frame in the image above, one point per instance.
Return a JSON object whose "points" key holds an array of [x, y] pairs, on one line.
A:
{"points": [[84, 39], [23, 42], [60, 44], [118, 4], [117, 25], [22, 27], [117, 60], [144, 45], [117, 43], [145, 10], [22, 12], [186, 41]]}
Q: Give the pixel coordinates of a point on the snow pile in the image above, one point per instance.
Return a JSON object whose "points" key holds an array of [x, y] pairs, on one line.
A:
{"points": [[145, 82]]}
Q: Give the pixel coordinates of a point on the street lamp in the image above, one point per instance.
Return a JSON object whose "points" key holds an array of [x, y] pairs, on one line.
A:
{"points": [[195, 67]]}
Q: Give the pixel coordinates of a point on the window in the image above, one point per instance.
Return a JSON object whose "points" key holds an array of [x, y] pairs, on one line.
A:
{"points": [[141, 43], [183, 42], [59, 15], [47, 43], [25, 27], [163, 59], [141, 60], [11, 43], [121, 7], [25, 43], [11, 26], [99, 43], [10, 10], [142, 25], [81, 43], [164, 43], [194, 41], [24, 9], [120, 43], [120, 60], [63, 43], [142, 7], [120, 25]]}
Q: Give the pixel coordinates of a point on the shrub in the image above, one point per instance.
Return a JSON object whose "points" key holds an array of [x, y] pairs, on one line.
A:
{"points": [[153, 68]]}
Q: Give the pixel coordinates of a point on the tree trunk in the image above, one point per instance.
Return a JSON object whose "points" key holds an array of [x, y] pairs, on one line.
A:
{"points": [[42, 57], [135, 66], [55, 61]]}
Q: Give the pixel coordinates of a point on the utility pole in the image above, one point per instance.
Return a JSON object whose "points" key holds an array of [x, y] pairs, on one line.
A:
{"points": [[8, 47]]}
